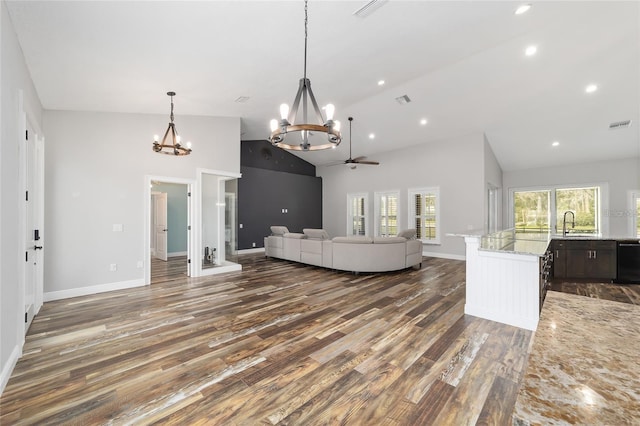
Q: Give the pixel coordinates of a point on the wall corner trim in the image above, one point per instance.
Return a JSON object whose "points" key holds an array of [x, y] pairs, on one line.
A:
{"points": [[8, 367], [85, 291]]}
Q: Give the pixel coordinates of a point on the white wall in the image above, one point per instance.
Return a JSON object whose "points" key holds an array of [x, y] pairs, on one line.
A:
{"points": [[15, 79], [455, 166], [620, 175], [96, 165], [492, 176]]}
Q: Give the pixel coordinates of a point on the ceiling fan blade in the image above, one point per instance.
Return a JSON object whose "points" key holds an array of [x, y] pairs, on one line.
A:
{"points": [[373, 163], [336, 163], [362, 157]]}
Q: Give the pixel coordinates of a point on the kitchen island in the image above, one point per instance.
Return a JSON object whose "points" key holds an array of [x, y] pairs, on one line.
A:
{"points": [[508, 272], [507, 276]]}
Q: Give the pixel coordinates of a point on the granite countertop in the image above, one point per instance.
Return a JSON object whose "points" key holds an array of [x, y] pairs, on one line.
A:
{"points": [[508, 241], [583, 367]]}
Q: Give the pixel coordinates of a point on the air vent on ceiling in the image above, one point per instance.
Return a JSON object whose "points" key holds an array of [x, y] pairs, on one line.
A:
{"points": [[404, 99], [242, 99], [620, 124], [369, 8]]}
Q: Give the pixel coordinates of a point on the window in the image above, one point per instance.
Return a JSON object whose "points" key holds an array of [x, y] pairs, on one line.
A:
{"points": [[531, 211], [424, 212], [584, 205], [548, 210], [357, 213], [386, 208]]}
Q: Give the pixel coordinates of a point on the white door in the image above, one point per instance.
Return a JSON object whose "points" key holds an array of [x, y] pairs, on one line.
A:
{"points": [[160, 211], [32, 230]]}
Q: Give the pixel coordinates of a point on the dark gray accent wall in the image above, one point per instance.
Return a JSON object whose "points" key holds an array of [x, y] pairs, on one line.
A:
{"points": [[267, 187], [263, 155]]}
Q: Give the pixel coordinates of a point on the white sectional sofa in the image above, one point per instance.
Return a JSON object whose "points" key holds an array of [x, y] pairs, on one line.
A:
{"points": [[355, 254]]}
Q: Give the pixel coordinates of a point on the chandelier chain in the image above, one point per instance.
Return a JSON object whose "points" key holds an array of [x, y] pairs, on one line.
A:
{"points": [[306, 23], [171, 116]]}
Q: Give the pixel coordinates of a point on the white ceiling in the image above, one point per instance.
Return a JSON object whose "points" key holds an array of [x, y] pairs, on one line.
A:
{"points": [[462, 63]]}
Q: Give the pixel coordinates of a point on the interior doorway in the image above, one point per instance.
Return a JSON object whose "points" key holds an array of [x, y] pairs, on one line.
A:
{"points": [[169, 219], [32, 220]]}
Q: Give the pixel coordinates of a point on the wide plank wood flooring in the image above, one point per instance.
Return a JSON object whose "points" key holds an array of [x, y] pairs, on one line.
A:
{"points": [[278, 343]]}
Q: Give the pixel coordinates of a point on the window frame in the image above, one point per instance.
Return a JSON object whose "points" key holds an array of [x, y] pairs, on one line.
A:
{"points": [[376, 207], [350, 215], [411, 216], [632, 213], [603, 203]]}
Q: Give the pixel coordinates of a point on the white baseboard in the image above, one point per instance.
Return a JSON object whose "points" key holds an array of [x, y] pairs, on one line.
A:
{"points": [[251, 250], [8, 367], [222, 269], [85, 291], [444, 255], [177, 253]]}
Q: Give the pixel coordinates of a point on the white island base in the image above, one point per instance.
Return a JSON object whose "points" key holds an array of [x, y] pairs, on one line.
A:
{"points": [[502, 286]]}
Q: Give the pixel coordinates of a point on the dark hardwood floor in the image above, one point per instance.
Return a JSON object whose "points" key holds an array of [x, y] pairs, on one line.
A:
{"points": [[174, 267], [278, 343]]}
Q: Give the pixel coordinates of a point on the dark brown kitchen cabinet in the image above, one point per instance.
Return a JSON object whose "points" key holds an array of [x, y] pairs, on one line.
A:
{"points": [[559, 259], [586, 259]]}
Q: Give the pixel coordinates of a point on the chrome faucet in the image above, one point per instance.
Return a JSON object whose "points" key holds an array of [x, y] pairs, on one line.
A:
{"points": [[564, 222]]}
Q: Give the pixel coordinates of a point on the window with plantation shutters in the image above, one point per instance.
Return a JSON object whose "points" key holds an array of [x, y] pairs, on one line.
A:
{"points": [[424, 212], [386, 213], [357, 213]]}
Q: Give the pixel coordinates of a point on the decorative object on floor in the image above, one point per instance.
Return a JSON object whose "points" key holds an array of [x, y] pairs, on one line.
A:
{"points": [[173, 148], [312, 135], [353, 162]]}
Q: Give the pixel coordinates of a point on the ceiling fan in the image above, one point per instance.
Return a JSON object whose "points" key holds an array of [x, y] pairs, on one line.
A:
{"points": [[353, 162]]}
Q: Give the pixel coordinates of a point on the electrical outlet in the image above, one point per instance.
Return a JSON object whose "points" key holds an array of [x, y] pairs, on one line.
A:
{"points": [[113, 267], [139, 264], [253, 244]]}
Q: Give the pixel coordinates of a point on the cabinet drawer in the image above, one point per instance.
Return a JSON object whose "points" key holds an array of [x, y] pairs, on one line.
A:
{"points": [[586, 245]]}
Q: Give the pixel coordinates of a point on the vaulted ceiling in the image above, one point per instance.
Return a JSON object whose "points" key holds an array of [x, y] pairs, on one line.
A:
{"points": [[462, 64]]}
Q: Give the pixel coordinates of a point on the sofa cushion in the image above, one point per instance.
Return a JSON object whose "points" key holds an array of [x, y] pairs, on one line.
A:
{"points": [[409, 234], [316, 234], [353, 240], [389, 240], [295, 235], [279, 230]]}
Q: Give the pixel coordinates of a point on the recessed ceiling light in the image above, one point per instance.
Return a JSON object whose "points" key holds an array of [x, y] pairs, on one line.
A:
{"points": [[531, 50], [380, 82], [591, 88], [423, 122], [522, 9], [555, 143], [372, 136]]}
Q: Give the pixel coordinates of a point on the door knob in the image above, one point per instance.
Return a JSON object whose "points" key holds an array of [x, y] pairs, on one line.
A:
{"points": [[37, 247], [164, 230]]}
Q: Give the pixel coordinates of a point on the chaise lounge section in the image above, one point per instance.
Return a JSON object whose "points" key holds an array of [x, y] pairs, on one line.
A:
{"points": [[354, 253]]}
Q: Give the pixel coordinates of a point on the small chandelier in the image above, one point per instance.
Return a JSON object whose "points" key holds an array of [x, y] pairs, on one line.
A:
{"points": [[173, 148], [331, 128]]}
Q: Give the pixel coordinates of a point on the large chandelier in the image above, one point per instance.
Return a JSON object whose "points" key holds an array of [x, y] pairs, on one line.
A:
{"points": [[173, 148], [310, 141]]}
